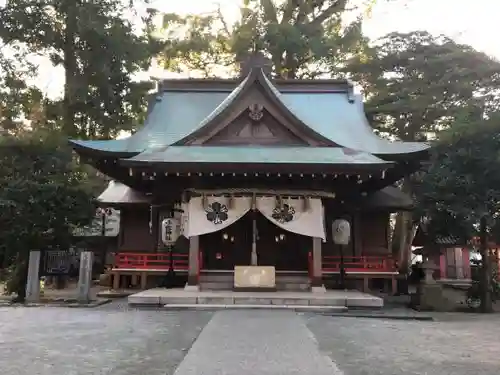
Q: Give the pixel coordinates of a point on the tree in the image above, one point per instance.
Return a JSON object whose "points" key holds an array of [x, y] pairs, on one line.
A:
{"points": [[463, 183], [416, 85], [303, 39], [18, 99], [43, 196], [99, 49]]}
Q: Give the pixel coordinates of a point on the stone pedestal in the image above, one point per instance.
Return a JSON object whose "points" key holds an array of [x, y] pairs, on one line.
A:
{"points": [[192, 288], [85, 276], [430, 296], [318, 289], [429, 267], [254, 278], [33, 280]]}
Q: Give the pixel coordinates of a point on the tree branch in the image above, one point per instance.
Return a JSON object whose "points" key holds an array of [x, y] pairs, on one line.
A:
{"points": [[336, 7]]}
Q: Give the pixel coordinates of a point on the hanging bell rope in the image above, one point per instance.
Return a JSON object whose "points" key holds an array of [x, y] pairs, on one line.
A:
{"points": [[150, 219], [204, 202], [279, 202], [230, 202], [306, 204]]}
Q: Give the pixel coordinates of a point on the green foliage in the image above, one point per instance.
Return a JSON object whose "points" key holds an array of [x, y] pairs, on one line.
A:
{"points": [[418, 84], [100, 50], [43, 195], [18, 99], [303, 39], [462, 183]]}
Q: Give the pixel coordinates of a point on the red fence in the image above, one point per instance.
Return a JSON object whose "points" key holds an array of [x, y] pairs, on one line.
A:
{"points": [[151, 261], [359, 264]]}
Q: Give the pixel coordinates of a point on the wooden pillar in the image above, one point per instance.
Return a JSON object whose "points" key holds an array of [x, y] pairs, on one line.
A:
{"points": [[144, 280], [317, 271], [194, 261], [116, 280], [357, 234]]}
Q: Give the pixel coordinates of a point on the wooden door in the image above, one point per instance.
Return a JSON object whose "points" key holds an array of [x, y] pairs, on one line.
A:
{"points": [[231, 246]]}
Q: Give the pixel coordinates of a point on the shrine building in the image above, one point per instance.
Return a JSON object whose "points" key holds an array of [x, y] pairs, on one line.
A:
{"points": [[237, 174]]}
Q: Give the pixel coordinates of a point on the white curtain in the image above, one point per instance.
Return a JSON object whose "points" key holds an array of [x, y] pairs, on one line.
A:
{"points": [[217, 213], [295, 216]]}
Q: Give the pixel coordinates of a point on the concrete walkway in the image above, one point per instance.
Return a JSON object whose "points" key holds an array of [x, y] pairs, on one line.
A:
{"points": [[256, 342]]}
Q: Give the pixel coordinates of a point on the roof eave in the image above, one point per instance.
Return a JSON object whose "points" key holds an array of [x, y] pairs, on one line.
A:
{"points": [[84, 150], [421, 154], [198, 167]]}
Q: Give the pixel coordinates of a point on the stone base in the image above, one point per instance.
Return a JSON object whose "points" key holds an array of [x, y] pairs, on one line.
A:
{"points": [[349, 299], [430, 297], [318, 289], [254, 289], [192, 288], [254, 277]]}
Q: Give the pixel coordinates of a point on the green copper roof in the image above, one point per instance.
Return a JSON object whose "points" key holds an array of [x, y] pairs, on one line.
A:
{"points": [[258, 155], [332, 115], [114, 145], [174, 116]]}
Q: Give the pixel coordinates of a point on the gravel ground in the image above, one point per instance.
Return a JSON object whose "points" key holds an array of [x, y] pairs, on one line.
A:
{"points": [[118, 340], [107, 340], [392, 347]]}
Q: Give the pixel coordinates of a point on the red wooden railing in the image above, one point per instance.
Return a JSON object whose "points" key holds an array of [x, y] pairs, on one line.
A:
{"points": [[359, 264], [151, 261]]}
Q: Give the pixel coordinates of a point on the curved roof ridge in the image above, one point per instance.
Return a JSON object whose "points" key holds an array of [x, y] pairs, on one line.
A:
{"points": [[226, 102]]}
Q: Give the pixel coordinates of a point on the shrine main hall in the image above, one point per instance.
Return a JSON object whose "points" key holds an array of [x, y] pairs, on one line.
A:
{"points": [[237, 182]]}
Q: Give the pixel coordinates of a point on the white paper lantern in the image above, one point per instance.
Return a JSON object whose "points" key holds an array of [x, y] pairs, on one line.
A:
{"points": [[341, 232], [169, 231]]}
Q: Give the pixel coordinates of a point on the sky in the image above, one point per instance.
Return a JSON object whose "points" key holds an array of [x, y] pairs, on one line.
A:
{"points": [[469, 22]]}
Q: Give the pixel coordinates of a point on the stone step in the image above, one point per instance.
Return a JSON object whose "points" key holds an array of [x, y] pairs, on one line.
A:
{"points": [[297, 308], [292, 287], [224, 281], [229, 286]]}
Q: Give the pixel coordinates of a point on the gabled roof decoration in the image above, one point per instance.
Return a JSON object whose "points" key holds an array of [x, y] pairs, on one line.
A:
{"points": [[256, 76]]}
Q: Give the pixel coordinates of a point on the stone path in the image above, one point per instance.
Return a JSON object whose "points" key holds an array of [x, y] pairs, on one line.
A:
{"points": [[256, 342], [117, 339]]}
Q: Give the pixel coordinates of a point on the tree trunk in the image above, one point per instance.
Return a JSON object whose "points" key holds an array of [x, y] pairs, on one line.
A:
{"points": [[404, 233], [70, 67], [485, 276]]}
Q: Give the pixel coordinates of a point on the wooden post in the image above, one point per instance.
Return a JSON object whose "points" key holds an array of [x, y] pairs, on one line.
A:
{"points": [[254, 259], [144, 280], [357, 236], [317, 276], [194, 263], [116, 280]]}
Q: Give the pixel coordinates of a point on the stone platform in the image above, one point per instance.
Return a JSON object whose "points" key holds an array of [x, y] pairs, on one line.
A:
{"points": [[329, 300]]}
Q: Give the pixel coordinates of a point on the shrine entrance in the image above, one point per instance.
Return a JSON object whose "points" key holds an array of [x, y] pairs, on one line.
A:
{"points": [[232, 246]]}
